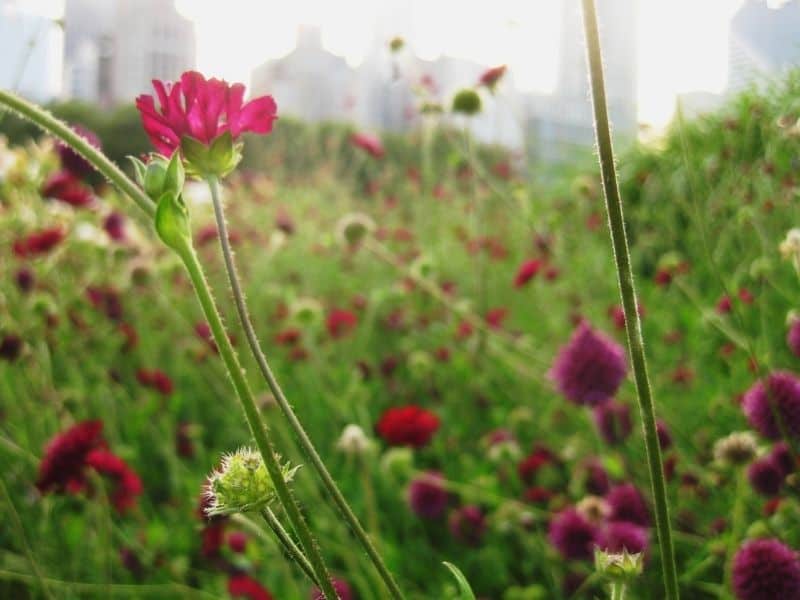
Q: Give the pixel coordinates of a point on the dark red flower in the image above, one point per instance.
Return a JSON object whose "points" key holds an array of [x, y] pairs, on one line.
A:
{"points": [[242, 585], [340, 322], [369, 143], [573, 535], [288, 337], [67, 188], [491, 77], [526, 272], [202, 109], [237, 541], [531, 464], [340, 585], [407, 426], [793, 337], [613, 421], [496, 316], [39, 242], [766, 476], [766, 570], [25, 280], [427, 497], [71, 160], [128, 485], [156, 379], [468, 525], [106, 300], [724, 305], [114, 225], [63, 466], [10, 347]]}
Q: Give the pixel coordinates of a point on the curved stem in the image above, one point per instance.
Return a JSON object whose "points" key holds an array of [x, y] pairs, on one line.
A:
{"points": [[257, 426], [633, 325], [46, 121], [283, 403], [288, 544]]}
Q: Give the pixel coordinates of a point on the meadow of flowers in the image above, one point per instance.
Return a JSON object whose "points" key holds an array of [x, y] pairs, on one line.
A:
{"points": [[430, 350]]}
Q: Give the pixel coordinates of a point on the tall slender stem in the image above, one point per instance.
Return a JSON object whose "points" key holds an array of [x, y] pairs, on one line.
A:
{"points": [[288, 544], [633, 325], [46, 121], [257, 426], [297, 427]]}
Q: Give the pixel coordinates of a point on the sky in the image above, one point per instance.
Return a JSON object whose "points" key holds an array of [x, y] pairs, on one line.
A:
{"points": [[682, 44]]}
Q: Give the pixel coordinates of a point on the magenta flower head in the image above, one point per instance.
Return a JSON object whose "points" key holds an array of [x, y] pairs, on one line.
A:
{"points": [[71, 160], [468, 525], [340, 585], [63, 465], [370, 144], [780, 394], [203, 118], [620, 536], [613, 421], [590, 368], [766, 570], [766, 475], [427, 496], [627, 504], [573, 535]]}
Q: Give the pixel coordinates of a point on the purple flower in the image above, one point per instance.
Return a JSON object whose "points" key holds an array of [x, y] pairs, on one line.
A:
{"points": [[766, 476], [340, 585], [613, 421], [573, 535], [427, 496], [627, 504], [766, 570], [664, 435], [781, 394], [793, 337], [590, 368], [782, 457], [468, 524], [619, 536]]}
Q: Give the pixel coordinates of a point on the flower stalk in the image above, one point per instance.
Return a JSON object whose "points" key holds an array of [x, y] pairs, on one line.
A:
{"points": [[305, 441], [633, 325]]}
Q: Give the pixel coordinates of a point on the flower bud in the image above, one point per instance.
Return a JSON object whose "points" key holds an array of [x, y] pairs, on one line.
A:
{"points": [[467, 102], [160, 175], [353, 228], [353, 441], [242, 484], [618, 567], [172, 223], [736, 449], [396, 44]]}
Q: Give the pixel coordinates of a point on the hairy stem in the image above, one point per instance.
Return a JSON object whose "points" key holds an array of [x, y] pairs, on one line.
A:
{"points": [[297, 427], [633, 325], [257, 426], [288, 544]]}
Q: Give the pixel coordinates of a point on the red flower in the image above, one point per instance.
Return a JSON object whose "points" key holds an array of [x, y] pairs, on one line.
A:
{"points": [[156, 379], [724, 305], [371, 144], [67, 188], [496, 316], [244, 586], [526, 272], [114, 224], [407, 426], [63, 466], [39, 242], [340, 322], [491, 77], [128, 484], [71, 160], [288, 337], [202, 109]]}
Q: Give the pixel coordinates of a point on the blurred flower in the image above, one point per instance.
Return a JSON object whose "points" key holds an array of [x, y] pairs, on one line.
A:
{"points": [[237, 541], [613, 421], [114, 225], [241, 585], [340, 585], [340, 322], [203, 110], [467, 102], [25, 279], [67, 188], [590, 368], [724, 305], [793, 335], [627, 504], [790, 247], [526, 272], [573, 535], [63, 466], [766, 476], [737, 448], [780, 395], [396, 44], [371, 144], [38, 242], [427, 496], [156, 379], [409, 425], [491, 77], [664, 436], [128, 486], [352, 228], [107, 300], [10, 347], [594, 508], [353, 441], [622, 536], [468, 525], [71, 160], [766, 569], [531, 464]]}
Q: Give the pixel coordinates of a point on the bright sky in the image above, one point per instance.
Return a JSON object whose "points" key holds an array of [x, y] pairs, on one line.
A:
{"points": [[683, 44]]}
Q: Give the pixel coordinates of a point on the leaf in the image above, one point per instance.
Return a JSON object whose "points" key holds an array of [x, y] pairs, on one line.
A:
{"points": [[465, 590]]}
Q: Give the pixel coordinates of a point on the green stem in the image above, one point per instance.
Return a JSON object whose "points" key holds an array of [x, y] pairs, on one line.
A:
{"points": [[618, 591], [303, 438], [288, 544], [46, 121], [257, 426], [737, 522], [633, 325]]}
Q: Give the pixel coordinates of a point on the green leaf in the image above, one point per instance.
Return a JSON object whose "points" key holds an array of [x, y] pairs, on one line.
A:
{"points": [[139, 169], [465, 590]]}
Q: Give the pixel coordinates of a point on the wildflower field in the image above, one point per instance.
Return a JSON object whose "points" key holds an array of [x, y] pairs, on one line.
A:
{"points": [[433, 365]]}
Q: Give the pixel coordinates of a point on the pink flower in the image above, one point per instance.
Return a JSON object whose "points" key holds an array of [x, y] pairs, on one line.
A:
{"points": [[371, 144], [526, 272], [202, 109], [491, 77]]}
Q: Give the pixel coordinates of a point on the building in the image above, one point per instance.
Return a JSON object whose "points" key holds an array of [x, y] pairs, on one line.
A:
{"points": [[764, 42], [30, 47], [114, 48]]}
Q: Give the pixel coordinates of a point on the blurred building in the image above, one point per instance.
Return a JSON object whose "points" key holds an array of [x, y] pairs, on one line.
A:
{"points": [[114, 48], [30, 53], [764, 42]]}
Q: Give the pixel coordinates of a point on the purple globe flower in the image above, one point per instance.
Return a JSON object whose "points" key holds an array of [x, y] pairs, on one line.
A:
{"points": [[427, 496], [781, 394], [613, 421], [627, 504], [71, 160], [793, 337], [782, 457], [597, 482], [766, 570], [766, 476], [619, 536], [664, 435], [573, 535], [468, 524], [590, 368]]}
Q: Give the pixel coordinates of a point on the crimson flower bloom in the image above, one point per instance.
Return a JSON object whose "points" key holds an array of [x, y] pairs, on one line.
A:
{"points": [[38, 242], [491, 77], [71, 160], [156, 379], [526, 272], [203, 109], [128, 485], [114, 225], [242, 585], [371, 144], [67, 188], [340, 322], [407, 426], [63, 465], [573, 535]]}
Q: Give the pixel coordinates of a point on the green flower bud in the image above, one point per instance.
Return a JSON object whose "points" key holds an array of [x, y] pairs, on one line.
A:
{"points": [[160, 175], [218, 159], [467, 102], [398, 462], [172, 223], [353, 228], [243, 484], [619, 567], [396, 44]]}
